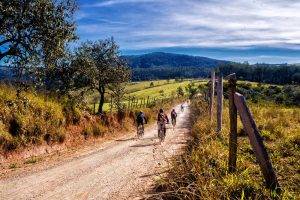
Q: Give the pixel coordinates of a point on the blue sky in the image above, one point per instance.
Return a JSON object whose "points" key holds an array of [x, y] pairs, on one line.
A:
{"points": [[237, 30]]}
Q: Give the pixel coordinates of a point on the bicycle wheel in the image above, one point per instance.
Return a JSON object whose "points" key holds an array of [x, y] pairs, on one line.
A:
{"points": [[174, 122], [160, 132], [161, 135], [140, 131]]}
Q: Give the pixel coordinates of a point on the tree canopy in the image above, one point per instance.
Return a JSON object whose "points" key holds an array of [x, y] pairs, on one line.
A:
{"points": [[97, 66], [35, 31]]}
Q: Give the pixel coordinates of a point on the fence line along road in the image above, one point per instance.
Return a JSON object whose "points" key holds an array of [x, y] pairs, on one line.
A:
{"points": [[237, 104]]}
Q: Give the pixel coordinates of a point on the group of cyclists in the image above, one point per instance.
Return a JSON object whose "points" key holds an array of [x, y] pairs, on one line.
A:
{"points": [[162, 120]]}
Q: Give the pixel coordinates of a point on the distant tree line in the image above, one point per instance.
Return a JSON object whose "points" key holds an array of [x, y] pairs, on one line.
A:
{"points": [[265, 73], [169, 73]]}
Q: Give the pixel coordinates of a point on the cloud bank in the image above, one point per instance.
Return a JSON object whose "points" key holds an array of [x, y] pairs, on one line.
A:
{"points": [[152, 24]]}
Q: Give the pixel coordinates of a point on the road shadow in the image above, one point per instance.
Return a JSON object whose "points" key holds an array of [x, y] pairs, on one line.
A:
{"points": [[184, 143], [144, 145], [153, 174], [126, 139], [149, 138]]}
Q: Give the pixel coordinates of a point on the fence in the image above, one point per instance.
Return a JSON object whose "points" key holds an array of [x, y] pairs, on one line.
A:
{"points": [[238, 105], [132, 103]]}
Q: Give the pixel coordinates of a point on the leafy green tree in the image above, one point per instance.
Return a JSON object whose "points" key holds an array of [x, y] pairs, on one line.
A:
{"points": [[161, 93], [191, 89], [97, 66], [180, 91], [117, 92], [35, 32]]}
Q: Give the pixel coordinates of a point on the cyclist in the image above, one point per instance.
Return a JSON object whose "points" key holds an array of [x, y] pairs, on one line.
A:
{"points": [[162, 120], [182, 108], [173, 117], [140, 121]]}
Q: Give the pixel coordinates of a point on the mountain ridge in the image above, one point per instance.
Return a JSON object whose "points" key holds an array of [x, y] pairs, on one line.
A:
{"points": [[162, 59]]}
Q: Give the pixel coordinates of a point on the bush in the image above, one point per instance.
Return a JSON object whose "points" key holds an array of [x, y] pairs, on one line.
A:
{"points": [[29, 118], [15, 125], [73, 114], [87, 132], [98, 130]]}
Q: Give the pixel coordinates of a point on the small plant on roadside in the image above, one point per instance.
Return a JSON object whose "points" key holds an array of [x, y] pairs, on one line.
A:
{"points": [[31, 160], [13, 166]]}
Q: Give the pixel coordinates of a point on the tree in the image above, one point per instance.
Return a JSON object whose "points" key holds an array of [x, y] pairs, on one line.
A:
{"points": [[180, 91], [191, 89], [117, 92], [97, 66], [35, 31]]}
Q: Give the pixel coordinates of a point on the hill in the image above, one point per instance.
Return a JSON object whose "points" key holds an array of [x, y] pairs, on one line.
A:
{"points": [[161, 59]]}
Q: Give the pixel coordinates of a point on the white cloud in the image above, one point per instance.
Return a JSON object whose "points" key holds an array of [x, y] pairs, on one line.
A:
{"points": [[203, 23], [107, 3]]}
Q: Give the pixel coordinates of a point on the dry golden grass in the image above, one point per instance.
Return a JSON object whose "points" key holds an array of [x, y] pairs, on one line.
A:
{"points": [[201, 173]]}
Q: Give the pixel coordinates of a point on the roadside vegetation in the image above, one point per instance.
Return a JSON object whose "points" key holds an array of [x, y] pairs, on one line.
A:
{"points": [[30, 118], [201, 173]]}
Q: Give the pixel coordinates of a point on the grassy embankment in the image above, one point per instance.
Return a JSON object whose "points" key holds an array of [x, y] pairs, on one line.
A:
{"points": [[201, 173]]}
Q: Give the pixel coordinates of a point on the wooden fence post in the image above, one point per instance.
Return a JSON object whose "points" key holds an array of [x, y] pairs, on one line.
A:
{"points": [[128, 103], [233, 124], [136, 103], [147, 104], [219, 103], [256, 142], [131, 103], [212, 92]]}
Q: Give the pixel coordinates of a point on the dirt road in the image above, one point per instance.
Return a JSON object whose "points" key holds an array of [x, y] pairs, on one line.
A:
{"points": [[123, 169]]}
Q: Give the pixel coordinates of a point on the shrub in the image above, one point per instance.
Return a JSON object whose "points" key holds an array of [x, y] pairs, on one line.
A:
{"points": [[87, 132], [60, 136], [98, 130], [15, 125]]}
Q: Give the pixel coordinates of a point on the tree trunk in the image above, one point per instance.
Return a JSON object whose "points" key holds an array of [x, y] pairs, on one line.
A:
{"points": [[101, 101]]}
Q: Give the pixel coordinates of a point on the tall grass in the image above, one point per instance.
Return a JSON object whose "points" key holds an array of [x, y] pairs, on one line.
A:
{"points": [[201, 173], [26, 118]]}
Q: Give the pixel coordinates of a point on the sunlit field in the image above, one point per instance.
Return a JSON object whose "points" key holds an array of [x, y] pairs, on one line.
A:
{"points": [[159, 89]]}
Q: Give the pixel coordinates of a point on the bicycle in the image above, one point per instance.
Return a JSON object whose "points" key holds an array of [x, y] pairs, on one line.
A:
{"points": [[182, 108], [161, 132], [174, 122], [140, 131]]}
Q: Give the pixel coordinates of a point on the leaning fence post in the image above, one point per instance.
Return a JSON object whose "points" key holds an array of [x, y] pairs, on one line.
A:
{"points": [[219, 103], [256, 142], [233, 124], [212, 92]]}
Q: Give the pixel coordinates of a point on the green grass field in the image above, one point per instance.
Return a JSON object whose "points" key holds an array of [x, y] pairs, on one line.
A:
{"points": [[160, 89]]}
